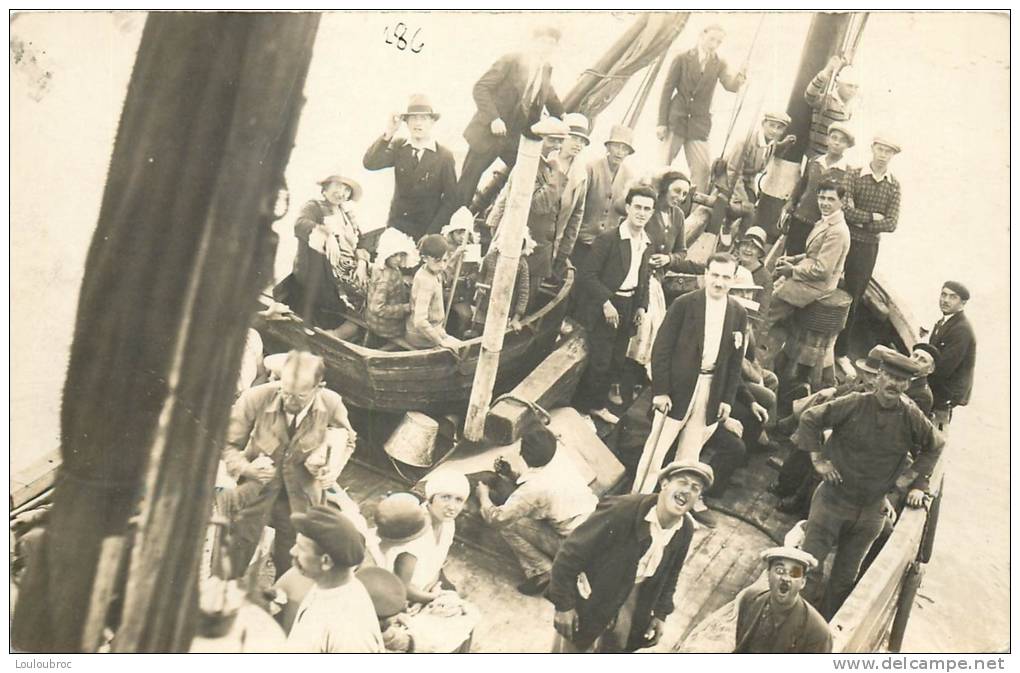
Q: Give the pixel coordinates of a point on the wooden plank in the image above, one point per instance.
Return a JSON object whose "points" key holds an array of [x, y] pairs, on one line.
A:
{"points": [[35, 480], [550, 384]]}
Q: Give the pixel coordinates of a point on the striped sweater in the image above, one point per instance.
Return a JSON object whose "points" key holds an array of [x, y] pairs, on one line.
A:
{"points": [[866, 196], [825, 111]]}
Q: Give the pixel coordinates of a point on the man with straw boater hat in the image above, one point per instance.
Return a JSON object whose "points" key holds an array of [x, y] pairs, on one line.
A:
{"points": [[614, 578], [424, 171], [608, 180], [778, 620], [575, 189]]}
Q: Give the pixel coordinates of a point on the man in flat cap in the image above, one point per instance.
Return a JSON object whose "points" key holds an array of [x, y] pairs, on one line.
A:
{"points": [[779, 620], [873, 437], [550, 502], [336, 614], [746, 161], [685, 108], [507, 96], [925, 355], [424, 171], [953, 378], [830, 106], [614, 578], [872, 208], [802, 206]]}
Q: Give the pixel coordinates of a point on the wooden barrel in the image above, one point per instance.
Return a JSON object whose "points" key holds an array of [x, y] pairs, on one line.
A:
{"points": [[827, 315]]}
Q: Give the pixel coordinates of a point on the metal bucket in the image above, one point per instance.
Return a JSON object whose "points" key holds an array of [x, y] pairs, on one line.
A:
{"points": [[414, 440]]}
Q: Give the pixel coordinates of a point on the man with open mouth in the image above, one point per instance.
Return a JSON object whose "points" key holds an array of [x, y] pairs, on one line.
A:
{"points": [[779, 620]]}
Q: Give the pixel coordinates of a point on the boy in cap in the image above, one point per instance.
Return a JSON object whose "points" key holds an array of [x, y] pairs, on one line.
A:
{"points": [[423, 170], [873, 436], [872, 208], [336, 614], [779, 620], [802, 206], [550, 502], [614, 577], [953, 378], [426, 324], [608, 180], [828, 107]]}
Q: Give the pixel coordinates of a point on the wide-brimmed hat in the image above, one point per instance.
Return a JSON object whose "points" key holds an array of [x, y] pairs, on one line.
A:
{"points": [[792, 553], [623, 135], [845, 130], [344, 180], [778, 117], [462, 220], [400, 518], [393, 242], [333, 532], [579, 126], [388, 593], [419, 104], [703, 470], [757, 236]]}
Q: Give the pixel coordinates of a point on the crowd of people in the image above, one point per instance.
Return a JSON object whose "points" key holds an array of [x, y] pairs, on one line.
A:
{"points": [[719, 344]]}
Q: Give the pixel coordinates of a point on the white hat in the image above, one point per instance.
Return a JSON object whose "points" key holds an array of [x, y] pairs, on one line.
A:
{"points": [[446, 481], [393, 242], [462, 220], [578, 124]]}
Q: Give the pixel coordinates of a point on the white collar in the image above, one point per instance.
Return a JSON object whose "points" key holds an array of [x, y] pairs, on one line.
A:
{"points": [[762, 140], [829, 220], [430, 145], [653, 519], [840, 163], [866, 170], [625, 234]]}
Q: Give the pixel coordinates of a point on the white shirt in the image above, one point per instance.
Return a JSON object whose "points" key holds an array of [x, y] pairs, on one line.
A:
{"points": [[637, 252], [300, 415], [866, 170], [341, 619], [715, 313], [661, 537], [430, 554], [568, 500], [419, 150], [826, 166]]}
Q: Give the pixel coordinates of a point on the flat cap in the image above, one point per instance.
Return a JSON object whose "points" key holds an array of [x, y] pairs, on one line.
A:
{"points": [[887, 140], [695, 467], [959, 288], [900, 365], [792, 553], [845, 130], [780, 117]]}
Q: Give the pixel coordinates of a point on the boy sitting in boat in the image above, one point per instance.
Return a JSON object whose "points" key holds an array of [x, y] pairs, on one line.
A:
{"points": [[389, 297], [483, 285], [426, 324]]}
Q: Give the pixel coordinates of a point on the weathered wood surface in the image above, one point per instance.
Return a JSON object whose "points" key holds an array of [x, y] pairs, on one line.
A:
{"points": [[182, 243], [549, 385]]}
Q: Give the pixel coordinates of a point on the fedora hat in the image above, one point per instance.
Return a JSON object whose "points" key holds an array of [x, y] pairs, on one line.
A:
{"points": [[623, 135], [344, 180], [419, 104]]}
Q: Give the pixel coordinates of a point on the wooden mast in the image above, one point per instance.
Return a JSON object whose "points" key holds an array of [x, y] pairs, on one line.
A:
{"points": [[182, 244]]}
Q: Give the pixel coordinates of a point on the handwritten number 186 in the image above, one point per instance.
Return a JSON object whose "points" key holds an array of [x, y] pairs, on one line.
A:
{"points": [[398, 38]]}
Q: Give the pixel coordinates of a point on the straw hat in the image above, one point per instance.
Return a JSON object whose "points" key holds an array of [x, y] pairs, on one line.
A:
{"points": [[578, 124], [356, 190], [623, 135]]}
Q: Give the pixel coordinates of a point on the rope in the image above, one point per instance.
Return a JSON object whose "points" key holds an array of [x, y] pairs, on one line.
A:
{"points": [[743, 90], [603, 75]]}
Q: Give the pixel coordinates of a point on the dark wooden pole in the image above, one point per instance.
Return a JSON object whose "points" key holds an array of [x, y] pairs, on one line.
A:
{"points": [[182, 244]]}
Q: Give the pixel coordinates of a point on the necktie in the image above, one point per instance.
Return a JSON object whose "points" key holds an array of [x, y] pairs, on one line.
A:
{"points": [[292, 428], [417, 156]]}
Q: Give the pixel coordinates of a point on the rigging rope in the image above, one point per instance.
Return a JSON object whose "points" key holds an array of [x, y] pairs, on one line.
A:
{"points": [[743, 89]]}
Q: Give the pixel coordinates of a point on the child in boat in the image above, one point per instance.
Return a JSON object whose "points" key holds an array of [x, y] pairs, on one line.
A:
{"points": [[389, 297], [483, 285], [461, 268], [425, 325]]}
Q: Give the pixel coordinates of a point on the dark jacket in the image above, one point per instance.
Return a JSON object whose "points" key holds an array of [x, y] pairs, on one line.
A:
{"points": [[686, 103], [605, 268], [668, 238], [804, 630], [420, 185], [607, 548], [676, 353], [499, 94], [953, 378]]}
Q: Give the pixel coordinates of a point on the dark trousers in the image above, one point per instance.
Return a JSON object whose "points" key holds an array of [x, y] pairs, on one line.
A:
{"points": [[796, 236], [245, 539], [728, 453], [607, 353], [752, 426], [860, 263]]}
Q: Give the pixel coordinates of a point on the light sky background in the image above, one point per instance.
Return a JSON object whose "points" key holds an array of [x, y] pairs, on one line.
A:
{"points": [[939, 82]]}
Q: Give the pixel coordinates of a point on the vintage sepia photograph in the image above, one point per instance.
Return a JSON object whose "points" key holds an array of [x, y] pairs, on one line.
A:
{"points": [[510, 331]]}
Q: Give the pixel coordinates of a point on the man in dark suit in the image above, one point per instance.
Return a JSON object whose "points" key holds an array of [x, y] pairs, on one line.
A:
{"points": [[614, 577], [953, 377], [685, 109], [614, 298], [696, 362], [506, 95], [424, 170]]}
